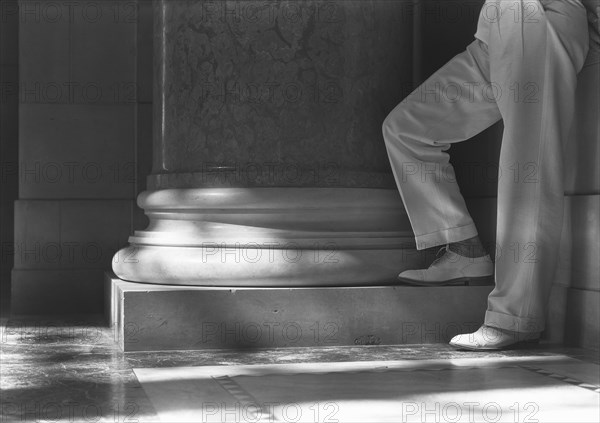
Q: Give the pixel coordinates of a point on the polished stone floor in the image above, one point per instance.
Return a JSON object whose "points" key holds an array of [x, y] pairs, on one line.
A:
{"points": [[69, 370]]}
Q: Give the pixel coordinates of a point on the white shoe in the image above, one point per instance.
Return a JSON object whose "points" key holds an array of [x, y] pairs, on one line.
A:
{"points": [[491, 338], [452, 269]]}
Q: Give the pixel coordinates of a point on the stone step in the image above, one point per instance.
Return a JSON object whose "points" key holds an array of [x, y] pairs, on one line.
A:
{"points": [[149, 317]]}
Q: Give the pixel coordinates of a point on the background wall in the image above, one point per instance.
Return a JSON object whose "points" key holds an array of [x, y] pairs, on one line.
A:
{"points": [[9, 105], [84, 147], [582, 221]]}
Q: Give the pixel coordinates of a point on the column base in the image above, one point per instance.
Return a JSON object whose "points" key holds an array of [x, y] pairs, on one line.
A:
{"points": [[288, 237]]}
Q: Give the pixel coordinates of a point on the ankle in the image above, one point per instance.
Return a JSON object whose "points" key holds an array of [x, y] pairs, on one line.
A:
{"points": [[471, 248]]}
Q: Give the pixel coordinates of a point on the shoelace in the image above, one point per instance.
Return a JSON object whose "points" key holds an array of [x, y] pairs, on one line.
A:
{"points": [[443, 257]]}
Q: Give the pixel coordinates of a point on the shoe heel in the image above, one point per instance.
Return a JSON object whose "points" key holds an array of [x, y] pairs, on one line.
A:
{"points": [[480, 281], [525, 344]]}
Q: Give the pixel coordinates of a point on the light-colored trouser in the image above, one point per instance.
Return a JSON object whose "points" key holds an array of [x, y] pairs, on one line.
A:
{"points": [[524, 73]]}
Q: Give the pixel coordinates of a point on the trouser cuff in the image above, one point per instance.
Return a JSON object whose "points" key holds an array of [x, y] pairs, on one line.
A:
{"points": [[513, 323], [445, 236]]}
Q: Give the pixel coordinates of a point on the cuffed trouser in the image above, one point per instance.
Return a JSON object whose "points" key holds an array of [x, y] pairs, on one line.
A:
{"points": [[523, 69]]}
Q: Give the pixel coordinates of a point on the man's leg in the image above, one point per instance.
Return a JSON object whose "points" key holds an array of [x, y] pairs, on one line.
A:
{"points": [[535, 55], [453, 105]]}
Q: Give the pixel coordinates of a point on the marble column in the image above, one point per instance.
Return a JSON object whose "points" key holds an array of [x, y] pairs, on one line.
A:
{"points": [[269, 165]]}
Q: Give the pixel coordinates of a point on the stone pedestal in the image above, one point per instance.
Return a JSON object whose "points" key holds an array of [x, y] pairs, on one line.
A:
{"points": [[165, 317]]}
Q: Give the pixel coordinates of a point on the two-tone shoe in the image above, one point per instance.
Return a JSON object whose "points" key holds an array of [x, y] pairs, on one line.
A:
{"points": [[452, 269], [488, 338]]}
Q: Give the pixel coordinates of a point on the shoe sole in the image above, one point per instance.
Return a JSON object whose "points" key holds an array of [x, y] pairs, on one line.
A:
{"points": [[475, 281], [517, 345]]}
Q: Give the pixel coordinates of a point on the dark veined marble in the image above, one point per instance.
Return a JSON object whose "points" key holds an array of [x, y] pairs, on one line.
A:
{"points": [[67, 370], [281, 93]]}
